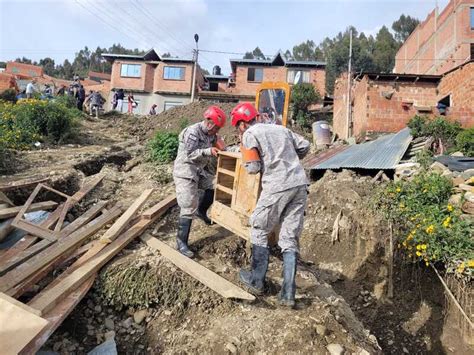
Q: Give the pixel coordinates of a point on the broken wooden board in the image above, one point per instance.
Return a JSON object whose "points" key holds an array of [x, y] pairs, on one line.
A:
{"points": [[205, 276], [121, 223], [29, 240], [41, 259], [5, 199], [57, 315], [40, 246], [48, 298], [25, 307], [38, 206], [37, 230], [22, 183], [17, 327]]}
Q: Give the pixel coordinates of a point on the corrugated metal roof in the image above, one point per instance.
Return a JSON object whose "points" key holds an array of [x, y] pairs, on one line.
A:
{"points": [[312, 159], [383, 153]]}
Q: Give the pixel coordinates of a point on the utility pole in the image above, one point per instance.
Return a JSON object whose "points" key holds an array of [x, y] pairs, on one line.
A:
{"points": [[196, 54], [349, 80]]}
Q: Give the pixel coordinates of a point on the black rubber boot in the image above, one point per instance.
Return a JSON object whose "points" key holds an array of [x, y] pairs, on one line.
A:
{"points": [[255, 278], [184, 227], [206, 202], [288, 289]]}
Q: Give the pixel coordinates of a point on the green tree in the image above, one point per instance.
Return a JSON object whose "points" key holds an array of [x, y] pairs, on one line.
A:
{"points": [[307, 51], [48, 66], [385, 49], [404, 26], [166, 55], [255, 54], [302, 96]]}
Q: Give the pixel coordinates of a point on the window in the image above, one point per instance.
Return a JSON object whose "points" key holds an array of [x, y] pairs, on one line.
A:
{"points": [[304, 76], [173, 73], [472, 18], [255, 74], [132, 70], [171, 104]]}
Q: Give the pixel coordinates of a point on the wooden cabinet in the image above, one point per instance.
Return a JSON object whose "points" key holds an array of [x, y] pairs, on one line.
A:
{"points": [[236, 194]]}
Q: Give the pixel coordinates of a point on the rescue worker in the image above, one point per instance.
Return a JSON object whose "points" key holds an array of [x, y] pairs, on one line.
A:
{"points": [[197, 147], [274, 151]]}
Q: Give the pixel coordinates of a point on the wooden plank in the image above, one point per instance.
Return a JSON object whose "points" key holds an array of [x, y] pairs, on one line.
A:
{"points": [[5, 199], [57, 315], [124, 219], [38, 247], [19, 304], [230, 220], [205, 276], [49, 298], [226, 171], [17, 327], [41, 259], [38, 206], [160, 208], [235, 155], [35, 230], [22, 183], [224, 189], [95, 247], [28, 240]]}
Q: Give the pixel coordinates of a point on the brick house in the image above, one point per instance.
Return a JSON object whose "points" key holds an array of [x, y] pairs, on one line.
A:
{"points": [[22, 70], [386, 102], [151, 79], [441, 42], [248, 74]]}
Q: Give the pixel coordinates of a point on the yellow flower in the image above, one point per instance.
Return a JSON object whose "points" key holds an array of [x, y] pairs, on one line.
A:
{"points": [[424, 246], [427, 263], [446, 222], [418, 247], [418, 253], [401, 205], [450, 208], [430, 229], [470, 263], [404, 244], [460, 268], [399, 189], [425, 190]]}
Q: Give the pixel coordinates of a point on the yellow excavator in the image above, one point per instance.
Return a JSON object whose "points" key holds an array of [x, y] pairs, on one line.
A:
{"points": [[236, 191]]}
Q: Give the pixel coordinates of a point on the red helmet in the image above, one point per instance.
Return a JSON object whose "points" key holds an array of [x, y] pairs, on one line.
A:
{"points": [[244, 111], [215, 114]]}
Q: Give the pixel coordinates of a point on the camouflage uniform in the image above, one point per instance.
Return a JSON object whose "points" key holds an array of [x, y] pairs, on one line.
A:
{"points": [[193, 167], [284, 184]]}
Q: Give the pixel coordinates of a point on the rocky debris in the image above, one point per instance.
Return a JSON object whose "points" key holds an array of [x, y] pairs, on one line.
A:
{"points": [[140, 315], [335, 349]]}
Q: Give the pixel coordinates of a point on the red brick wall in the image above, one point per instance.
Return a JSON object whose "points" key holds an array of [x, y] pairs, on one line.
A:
{"points": [[174, 85], [390, 115], [340, 107], [446, 37], [23, 69], [140, 84], [360, 107], [460, 85]]}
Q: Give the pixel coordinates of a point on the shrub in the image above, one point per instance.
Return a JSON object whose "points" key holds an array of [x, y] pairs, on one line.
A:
{"points": [[8, 95], [438, 128], [465, 142], [431, 229], [163, 147], [30, 120]]}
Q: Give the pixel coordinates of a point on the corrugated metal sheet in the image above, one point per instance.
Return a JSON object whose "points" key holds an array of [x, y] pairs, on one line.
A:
{"points": [[383, 153], [312, 159]]}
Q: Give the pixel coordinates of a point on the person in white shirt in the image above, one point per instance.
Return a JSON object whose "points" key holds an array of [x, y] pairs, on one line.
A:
{"points": [[30, 89]]}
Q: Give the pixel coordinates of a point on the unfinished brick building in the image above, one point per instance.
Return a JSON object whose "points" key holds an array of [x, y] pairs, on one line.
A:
{"points": [[386, 102], [441, 42]]}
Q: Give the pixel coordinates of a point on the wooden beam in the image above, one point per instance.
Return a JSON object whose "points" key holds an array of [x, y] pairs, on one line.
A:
{"points": [[49, 298], [5, 199], [121, 223], [13, 211], [41, 259], [160, 208], [17, 327], [40, 246], [22, 183], [19, 304], [28, 240], [226, 171], [57, 315], [225, 189], [34, 229], [205, 276]]}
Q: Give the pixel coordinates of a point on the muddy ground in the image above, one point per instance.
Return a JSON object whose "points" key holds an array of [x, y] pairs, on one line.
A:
{"points": [[341, 296]]}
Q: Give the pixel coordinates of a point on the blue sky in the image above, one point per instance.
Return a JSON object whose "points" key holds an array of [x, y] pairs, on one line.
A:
{"points": [[58, 28]]}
